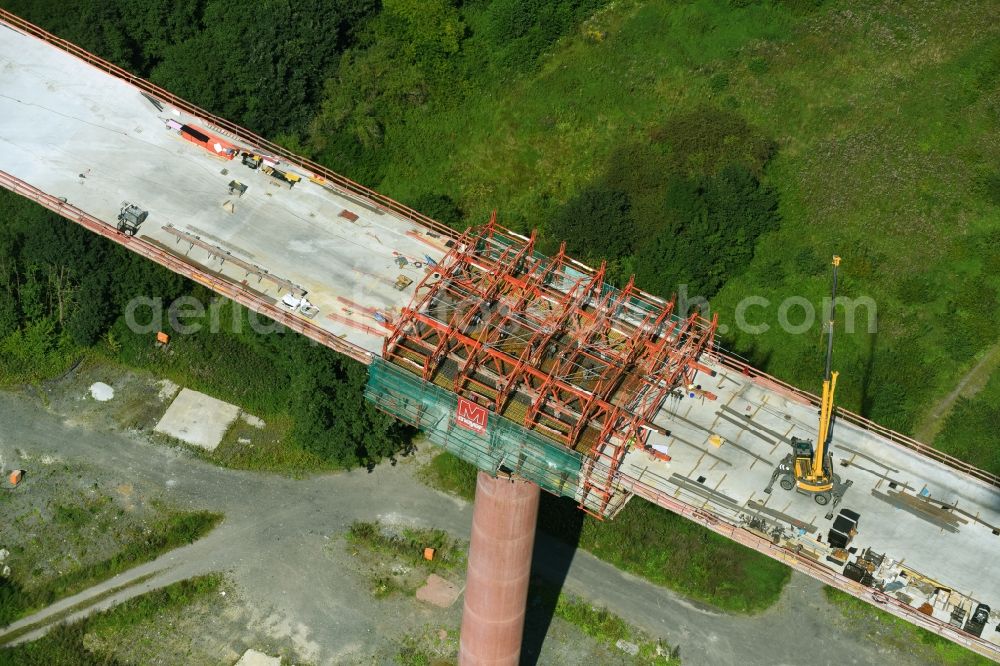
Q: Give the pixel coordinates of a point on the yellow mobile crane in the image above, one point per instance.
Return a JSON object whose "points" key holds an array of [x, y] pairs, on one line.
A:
{"points": [[811, 468]]}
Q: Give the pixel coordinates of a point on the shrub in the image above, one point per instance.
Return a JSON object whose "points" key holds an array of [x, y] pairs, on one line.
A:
{"points": [[596, 224]]}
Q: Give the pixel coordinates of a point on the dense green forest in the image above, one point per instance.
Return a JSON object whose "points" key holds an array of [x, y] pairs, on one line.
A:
{"points": [[721, 149]]}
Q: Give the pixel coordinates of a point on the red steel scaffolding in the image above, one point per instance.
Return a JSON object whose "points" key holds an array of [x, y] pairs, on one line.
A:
{"points": [[545, 342]]}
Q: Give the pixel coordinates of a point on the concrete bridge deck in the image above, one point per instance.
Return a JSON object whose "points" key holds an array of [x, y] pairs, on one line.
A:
{"points": [[81, 138]]}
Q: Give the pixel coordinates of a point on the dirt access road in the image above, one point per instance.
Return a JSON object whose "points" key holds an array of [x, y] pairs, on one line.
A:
{"points": [[280, 544], [971, 383]]}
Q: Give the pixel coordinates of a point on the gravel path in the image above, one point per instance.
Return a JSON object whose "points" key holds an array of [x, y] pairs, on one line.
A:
{"points": [[971, 383], [279, 544]]}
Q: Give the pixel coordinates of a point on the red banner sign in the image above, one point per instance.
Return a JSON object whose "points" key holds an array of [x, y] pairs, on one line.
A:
{"points": [[471, 416]]}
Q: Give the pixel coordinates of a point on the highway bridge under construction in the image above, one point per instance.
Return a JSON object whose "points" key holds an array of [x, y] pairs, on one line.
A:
{"points": [[531, 367]]}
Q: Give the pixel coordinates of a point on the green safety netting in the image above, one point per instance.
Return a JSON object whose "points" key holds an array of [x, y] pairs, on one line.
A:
{"points": [[504, 444]]}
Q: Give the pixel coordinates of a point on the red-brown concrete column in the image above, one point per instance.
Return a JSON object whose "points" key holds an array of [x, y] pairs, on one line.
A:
{"points": [[496, 586]]}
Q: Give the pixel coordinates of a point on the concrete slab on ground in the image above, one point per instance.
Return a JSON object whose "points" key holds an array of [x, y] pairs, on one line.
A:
{"points": [[198, 419], [254, 658], [439, 592]]}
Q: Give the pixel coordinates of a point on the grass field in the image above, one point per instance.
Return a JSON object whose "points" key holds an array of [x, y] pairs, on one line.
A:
{"points": [[451, 474], [392, 557], [604, 626], [970, 430], [669, 550], [70, 526]]}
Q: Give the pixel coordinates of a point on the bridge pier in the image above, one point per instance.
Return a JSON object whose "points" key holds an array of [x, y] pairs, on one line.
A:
{"points": [[496, 592]]}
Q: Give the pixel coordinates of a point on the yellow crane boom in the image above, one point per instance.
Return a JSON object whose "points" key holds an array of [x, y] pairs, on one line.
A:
{"points": [[810, 465], [829, 385], [825, 416]]}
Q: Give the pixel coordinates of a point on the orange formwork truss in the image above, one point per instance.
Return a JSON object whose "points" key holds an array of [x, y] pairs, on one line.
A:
{"points": [[544, 341]]}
